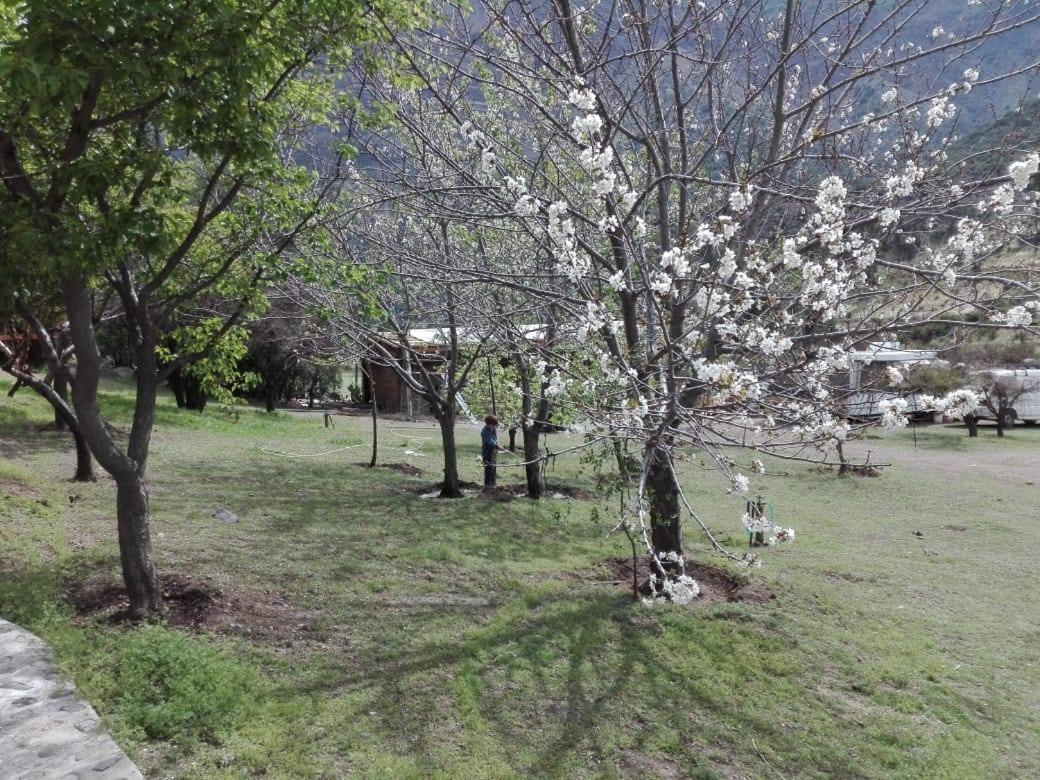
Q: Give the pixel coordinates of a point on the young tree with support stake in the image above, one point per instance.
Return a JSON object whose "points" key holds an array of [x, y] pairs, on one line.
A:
{"points": [[147, 148]]}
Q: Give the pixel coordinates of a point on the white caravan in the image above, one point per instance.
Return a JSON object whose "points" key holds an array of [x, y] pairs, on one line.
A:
{"points": [[868, 380], [1027, 406]]}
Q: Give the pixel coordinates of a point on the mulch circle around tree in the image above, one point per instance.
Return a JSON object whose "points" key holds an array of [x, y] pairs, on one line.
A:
{"points": [[505, 493], [716, 583], [401, 468], [197, 604], [551, 491], [436, 486]]}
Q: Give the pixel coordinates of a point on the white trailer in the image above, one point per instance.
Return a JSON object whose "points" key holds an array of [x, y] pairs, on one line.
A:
{"points": [[1024, 381], [868, 378]]}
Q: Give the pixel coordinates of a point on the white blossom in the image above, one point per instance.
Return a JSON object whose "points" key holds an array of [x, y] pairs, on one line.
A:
{"points": [[1021, 170], [1017, 316], [582, 99], [740, 199], [791, 258], [940, 110], [741, 485], [587, 125], [889, 216], [893, 413]]}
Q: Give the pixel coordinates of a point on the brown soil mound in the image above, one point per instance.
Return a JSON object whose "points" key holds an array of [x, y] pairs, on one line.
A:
{"points": [[717, 584], [402, 468], [502, 493], [463, 485], [198, 604]]}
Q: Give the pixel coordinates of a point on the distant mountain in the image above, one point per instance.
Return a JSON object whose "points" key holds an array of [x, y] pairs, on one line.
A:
{"points": [[987, 149], [986, 114]]}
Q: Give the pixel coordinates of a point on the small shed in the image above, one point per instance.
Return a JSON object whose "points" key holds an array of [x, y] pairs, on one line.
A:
{"points": [[431, 346]]}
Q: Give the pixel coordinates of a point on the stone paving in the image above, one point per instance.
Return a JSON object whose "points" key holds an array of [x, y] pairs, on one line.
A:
{"points": [[46, 730]]}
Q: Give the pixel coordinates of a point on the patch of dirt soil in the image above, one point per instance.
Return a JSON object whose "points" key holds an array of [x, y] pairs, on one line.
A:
{"points": [[198, 604], [635, 764], [853, 470], [12, 487], [717, 585], [852, 576], [502, 493], [436, 486], [401, 468]]}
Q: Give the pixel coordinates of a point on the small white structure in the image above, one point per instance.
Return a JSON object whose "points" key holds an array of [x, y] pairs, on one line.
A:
{"points": [[868, 378], [1026, 407]]}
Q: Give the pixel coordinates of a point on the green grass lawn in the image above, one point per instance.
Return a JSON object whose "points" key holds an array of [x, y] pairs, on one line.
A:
{"points": [[407, 637]]}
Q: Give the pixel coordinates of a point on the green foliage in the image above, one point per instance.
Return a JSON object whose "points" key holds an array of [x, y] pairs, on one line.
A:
{"points": [[167, 686], [175, 110], [500, 371], [219, 369], [937, 378]]}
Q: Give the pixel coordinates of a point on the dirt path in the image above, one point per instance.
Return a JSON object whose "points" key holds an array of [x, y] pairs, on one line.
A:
{"points": [[1013, 464]]}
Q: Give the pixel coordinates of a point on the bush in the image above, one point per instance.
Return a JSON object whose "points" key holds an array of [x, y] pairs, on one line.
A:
{"points": [[937, 378], [167, 686]]}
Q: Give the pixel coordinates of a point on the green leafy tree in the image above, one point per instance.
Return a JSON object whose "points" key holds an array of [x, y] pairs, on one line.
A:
{"points": [[154, 150]]}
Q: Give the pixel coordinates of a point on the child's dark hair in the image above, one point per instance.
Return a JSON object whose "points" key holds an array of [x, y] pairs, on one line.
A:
{"points": [[491, 420]]}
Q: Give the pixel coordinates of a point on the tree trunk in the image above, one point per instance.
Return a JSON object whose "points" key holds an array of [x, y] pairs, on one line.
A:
{"points": [[135, 547], [195, 397], [512, 439], [128, 468], [188, 391], [61, 387], [532, 465], [450, 488], [63, 412], [176, 383], [973, 425], [665, 520], [375, 428], [269, 397], [84, 460]]}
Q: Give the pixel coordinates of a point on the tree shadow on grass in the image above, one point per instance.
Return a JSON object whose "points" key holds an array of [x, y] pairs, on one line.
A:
{"points": [[558, 681]]}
